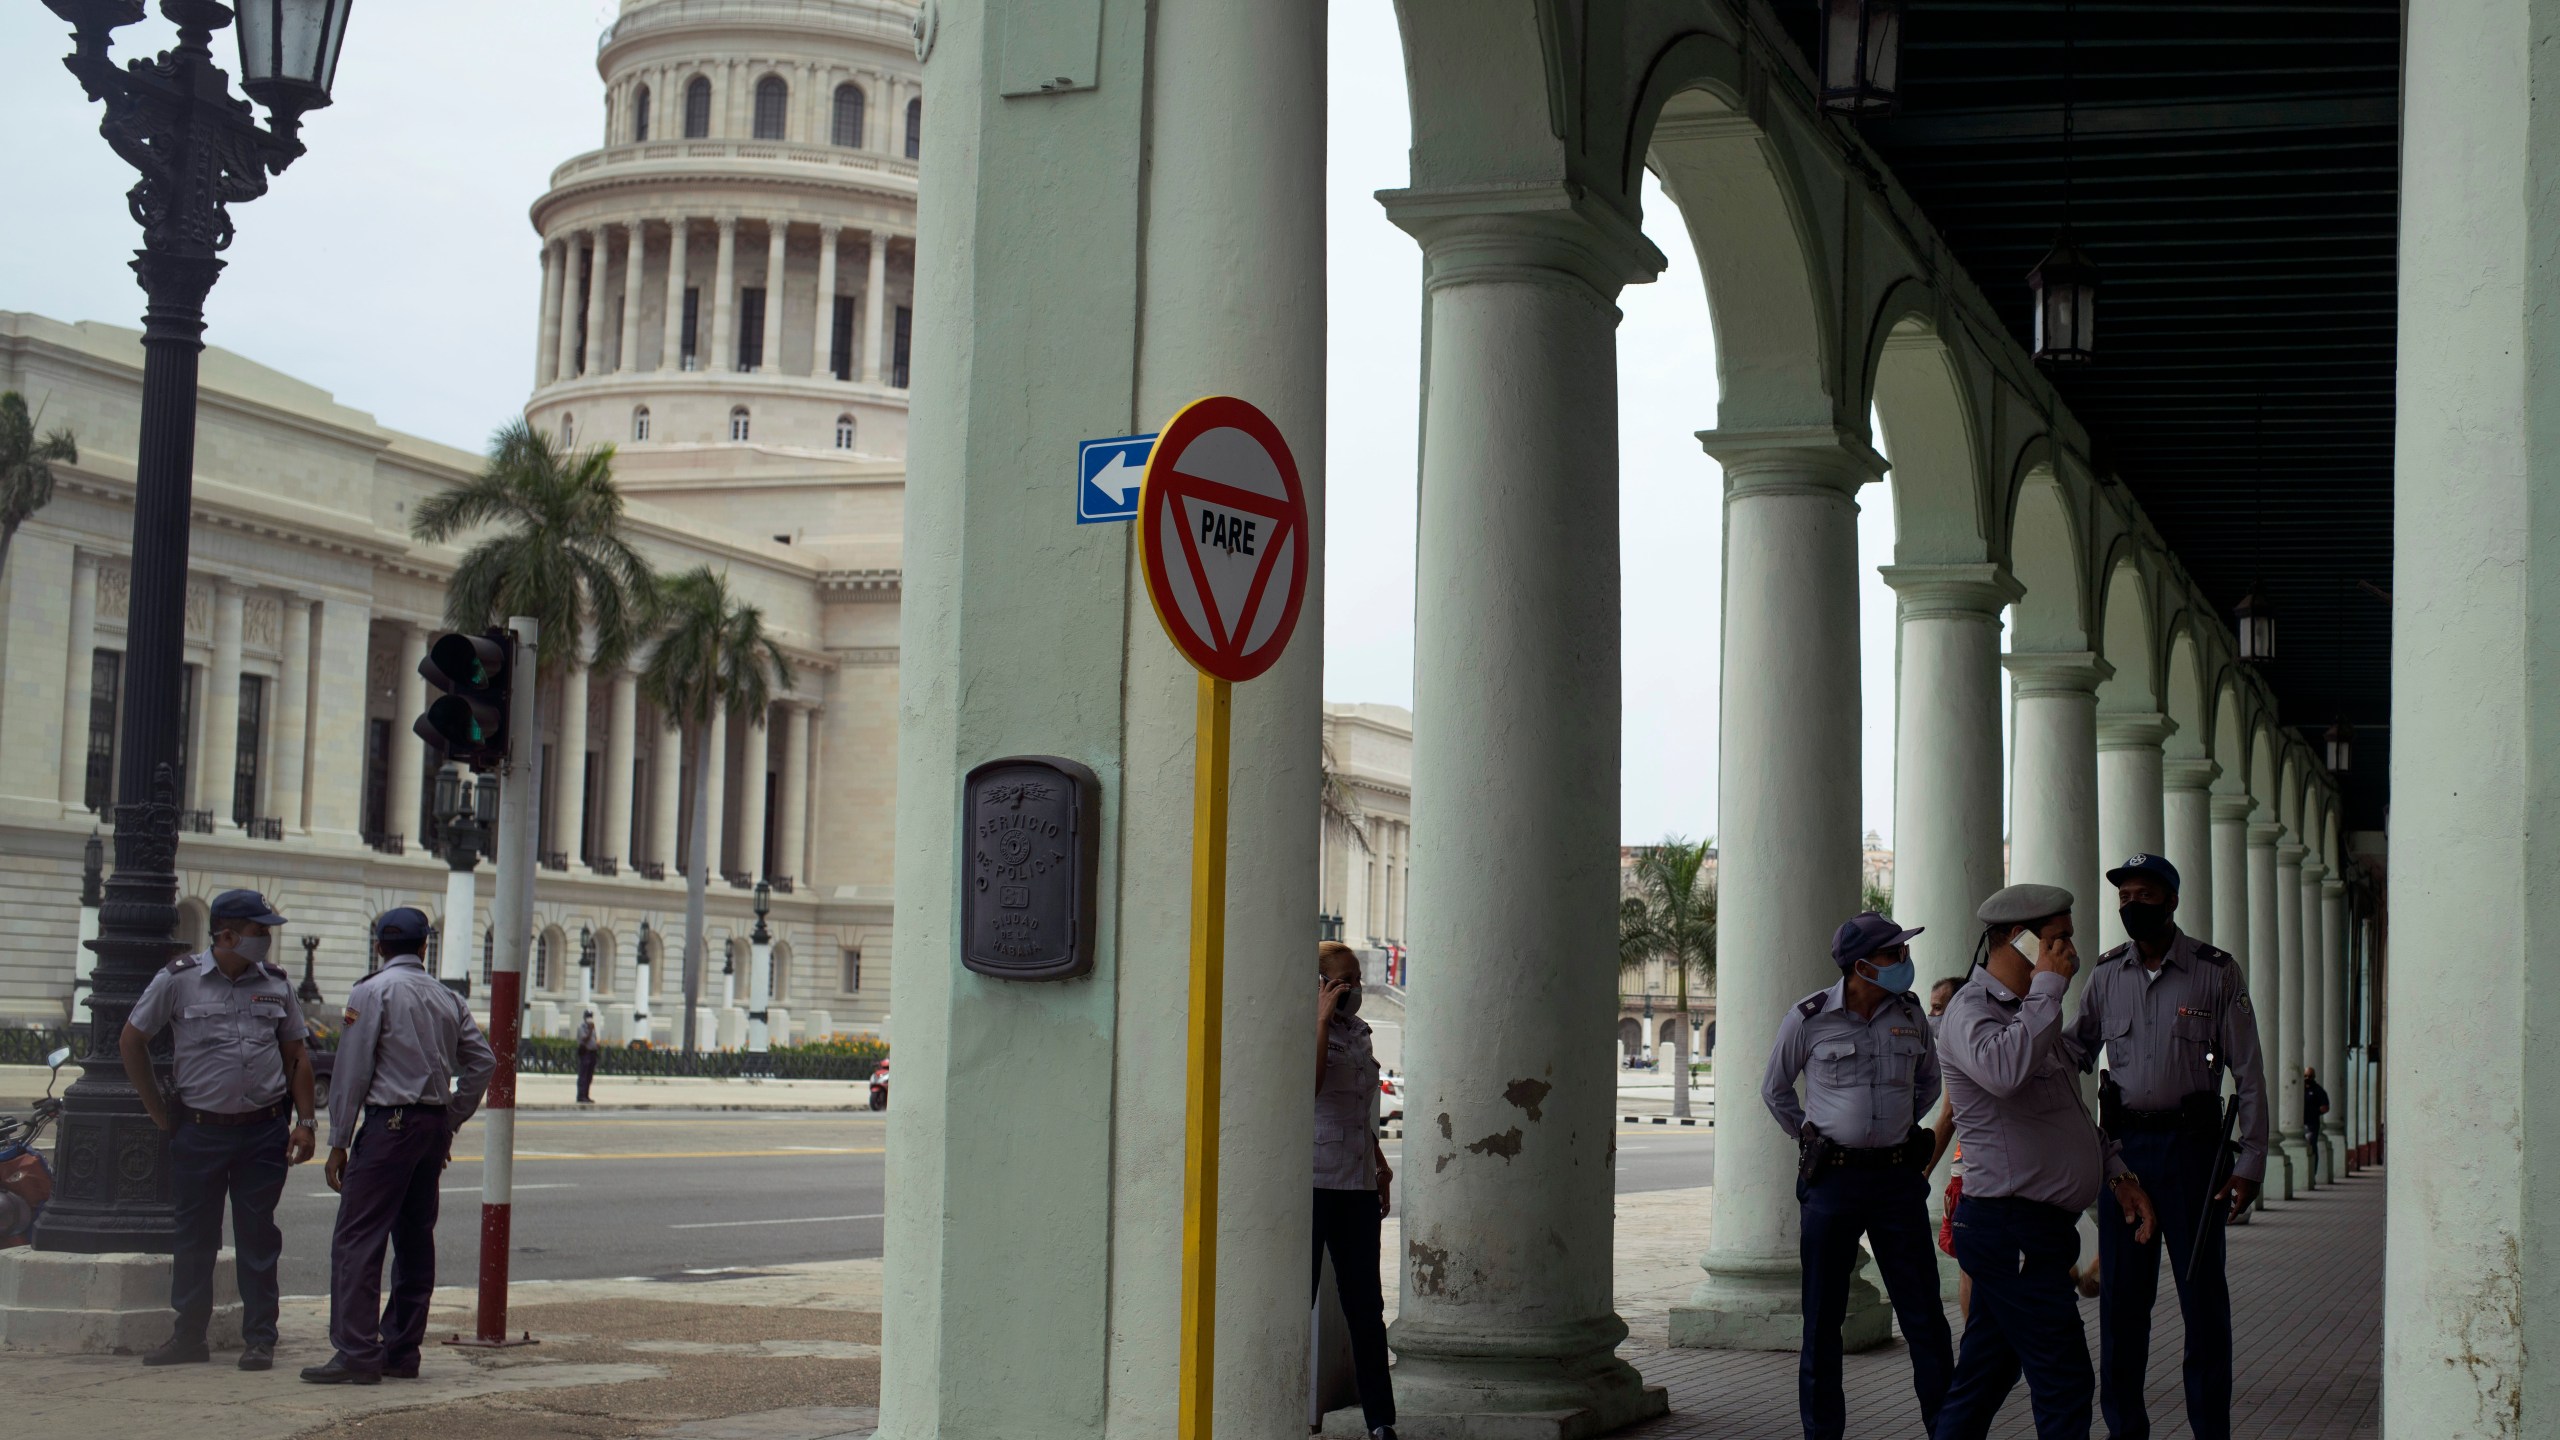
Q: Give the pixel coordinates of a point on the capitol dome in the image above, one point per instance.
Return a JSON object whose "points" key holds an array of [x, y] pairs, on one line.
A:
{"points": [[727, 281]]}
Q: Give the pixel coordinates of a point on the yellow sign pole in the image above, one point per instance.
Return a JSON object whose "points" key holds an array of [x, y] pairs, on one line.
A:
{"points": [[1208, 994]]}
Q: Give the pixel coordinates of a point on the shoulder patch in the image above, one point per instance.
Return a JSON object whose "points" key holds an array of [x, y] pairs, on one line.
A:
{"points": [[1813, 1004], [273, 969], [182, 965], [2211, 956], [350, 1017], [2121, 952]]}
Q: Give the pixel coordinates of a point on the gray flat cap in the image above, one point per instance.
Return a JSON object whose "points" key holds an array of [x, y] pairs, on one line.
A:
{"points": [[2019, 904]]}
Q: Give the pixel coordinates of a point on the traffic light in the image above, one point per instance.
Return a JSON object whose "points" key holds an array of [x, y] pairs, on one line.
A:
{"points": [[467, 724]]}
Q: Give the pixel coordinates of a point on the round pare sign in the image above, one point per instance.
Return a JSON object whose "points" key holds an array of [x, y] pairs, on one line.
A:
{"points": [[1222, 521]]}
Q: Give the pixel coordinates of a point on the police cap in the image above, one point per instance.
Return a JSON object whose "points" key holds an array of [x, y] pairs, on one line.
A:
{"points": [[246, 905], [406, 925], [2155, 866], [2023, 904]]}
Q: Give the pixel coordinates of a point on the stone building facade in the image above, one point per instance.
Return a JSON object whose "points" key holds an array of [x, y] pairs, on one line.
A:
{"points": [[1367, 864]]}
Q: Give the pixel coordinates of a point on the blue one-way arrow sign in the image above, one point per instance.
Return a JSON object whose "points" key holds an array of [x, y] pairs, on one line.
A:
{"points": [[1108, 474]]}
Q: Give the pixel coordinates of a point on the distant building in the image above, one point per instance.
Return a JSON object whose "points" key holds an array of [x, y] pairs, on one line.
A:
{"points": [[1367, 867]]}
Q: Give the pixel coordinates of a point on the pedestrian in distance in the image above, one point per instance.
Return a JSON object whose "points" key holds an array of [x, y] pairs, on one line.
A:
{"points": [[412, 1066], [590, 1047], [2169, 1016], [2033, 1162], [1862, 1048], [1352, 1178], [2315, 1106], [236, 1036]]}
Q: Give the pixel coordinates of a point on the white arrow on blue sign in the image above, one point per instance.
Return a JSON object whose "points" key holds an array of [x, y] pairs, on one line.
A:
{"points": [[1108, 474]]}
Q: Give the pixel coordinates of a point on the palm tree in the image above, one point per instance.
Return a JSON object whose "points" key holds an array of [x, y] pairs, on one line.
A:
{"points": [[713, 658], [26, 467], [1671, 917], [558, 555]]}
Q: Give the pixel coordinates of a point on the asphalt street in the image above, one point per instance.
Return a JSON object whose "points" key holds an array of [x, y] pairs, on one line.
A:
{"points": [[663, 1193]]}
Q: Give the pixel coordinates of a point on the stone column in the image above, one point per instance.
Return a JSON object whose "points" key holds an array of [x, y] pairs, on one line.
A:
{"points": [[2267, 992], [1946, 777], [342, 671], [715, 749], [2315, 1009], [546, 331], [289, 730], [2053, 810], [671, 336], [1517, 673], [1787, 829], [2287, 1085], [569, 762], [776, 270], [621, 718], [2231, 892], [666, 794], [2186, 816], [408, 752], [591, 362], [635, 266], [874, 311], [564, 364], [2335, 1066], [790, 841], [753, 767], [220, 754], [2131, 807], [823, 336], [79, 658], [724, 300]]}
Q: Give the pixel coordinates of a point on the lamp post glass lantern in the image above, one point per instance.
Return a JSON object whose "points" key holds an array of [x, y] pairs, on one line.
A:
{"points": [[2339, 744], [198, 150], [2254, 621], [1861, 56], [2066, 290]]}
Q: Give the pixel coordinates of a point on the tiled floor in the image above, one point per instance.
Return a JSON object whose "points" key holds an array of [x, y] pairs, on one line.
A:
{"points": [[2306, 1301]]}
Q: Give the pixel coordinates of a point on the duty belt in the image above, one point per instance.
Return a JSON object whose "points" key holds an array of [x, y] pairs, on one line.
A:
{"points": [[1882, 1157], [245, 1117], [2198, 1113]]}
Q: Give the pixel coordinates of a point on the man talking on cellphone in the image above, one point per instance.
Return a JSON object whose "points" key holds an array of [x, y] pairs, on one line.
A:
{"points": [[2033, 1162]]}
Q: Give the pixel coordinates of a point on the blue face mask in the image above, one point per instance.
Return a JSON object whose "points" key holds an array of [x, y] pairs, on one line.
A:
{"points": [[1897, 977]]}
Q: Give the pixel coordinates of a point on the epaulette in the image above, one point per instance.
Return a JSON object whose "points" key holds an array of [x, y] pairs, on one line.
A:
{"points": [[2121, 952], [274, 969], [182, 965], [1813, 1004], [2211, 956]]}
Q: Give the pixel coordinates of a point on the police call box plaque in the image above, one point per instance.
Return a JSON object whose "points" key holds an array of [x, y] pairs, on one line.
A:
{"points": [[1032, 832]]}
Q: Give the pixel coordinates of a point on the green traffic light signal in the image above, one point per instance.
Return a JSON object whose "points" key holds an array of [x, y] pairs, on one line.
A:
{"points": [[468, 722]]}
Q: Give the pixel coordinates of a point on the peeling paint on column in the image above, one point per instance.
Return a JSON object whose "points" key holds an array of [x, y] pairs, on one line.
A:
{"points": [[1506, 1144], [1444, 1125], [1527, 1094], [1430, 1268]]}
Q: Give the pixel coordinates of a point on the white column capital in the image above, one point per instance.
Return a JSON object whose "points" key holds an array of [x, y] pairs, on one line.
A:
{"points": [[2187, 774], [1534, 234], [2333, 888], [2056, 672], [2289, 854], [1952, 592], [1793, 460], [2313, 871], [2134, 731], [2228, 809], [2263, 834]]}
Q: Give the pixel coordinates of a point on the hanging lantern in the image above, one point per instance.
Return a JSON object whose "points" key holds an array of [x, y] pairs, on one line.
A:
{"points": [[1861, 56], [2066, 290], [2338, 742], [2255, 620]]}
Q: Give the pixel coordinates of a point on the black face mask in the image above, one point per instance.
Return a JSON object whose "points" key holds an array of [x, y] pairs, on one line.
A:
{"points": [[2146, 922]]}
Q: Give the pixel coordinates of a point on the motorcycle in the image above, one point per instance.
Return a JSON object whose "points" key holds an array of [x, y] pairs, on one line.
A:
{"points": [[880, 1087], [26, 1181]]}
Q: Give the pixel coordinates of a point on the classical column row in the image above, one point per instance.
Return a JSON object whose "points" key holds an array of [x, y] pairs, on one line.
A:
{"points": [[811, 116], [578, 316]]}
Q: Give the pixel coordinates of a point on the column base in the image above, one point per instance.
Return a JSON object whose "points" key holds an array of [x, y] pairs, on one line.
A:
{"points": [[1757, 1303], [1560, 1383], [2299, 1172], [112, 1304]]}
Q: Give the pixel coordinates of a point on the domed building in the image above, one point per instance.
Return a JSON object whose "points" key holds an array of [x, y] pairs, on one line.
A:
{"points": [[728, 280]]}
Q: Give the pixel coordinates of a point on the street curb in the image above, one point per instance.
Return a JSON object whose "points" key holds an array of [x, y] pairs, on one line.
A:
{"points": [[1664, 1120], [599, 1106]]}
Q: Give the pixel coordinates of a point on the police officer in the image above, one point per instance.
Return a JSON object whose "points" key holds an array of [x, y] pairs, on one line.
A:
{"points": [[391, 1124], [2168, 1015], [2032, 1162], [236, 1035], [1863, 1046]]}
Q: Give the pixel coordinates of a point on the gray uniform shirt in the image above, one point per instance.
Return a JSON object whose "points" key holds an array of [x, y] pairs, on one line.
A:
{"points": [[227, 1035], [2013, 1080], [1867, 1081], [2157, 1027], [1347, 1108], [407, 1040]]}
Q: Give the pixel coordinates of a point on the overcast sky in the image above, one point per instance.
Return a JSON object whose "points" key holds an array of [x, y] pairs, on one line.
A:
{"points": [[394, 267]]}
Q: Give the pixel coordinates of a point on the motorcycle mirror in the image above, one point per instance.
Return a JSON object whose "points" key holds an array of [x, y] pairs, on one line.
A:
{"points": [[55, 1060]]}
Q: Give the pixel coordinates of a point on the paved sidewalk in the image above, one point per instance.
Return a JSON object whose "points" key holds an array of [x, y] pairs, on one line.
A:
{"points": [[20, 1084]]}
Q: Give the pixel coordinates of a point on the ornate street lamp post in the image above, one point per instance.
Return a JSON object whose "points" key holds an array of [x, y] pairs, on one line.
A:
{"points": [[760, 980], [172, 118], [586, 969], [466, 820]]}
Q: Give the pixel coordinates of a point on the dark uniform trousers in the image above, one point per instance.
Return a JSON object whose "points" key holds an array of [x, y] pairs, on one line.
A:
{"points": [[1891, 1207], [2174, 1167], [586, 1074], [388, 1196], [2025, 1319], [244, 1163], [1347, 1224]]}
